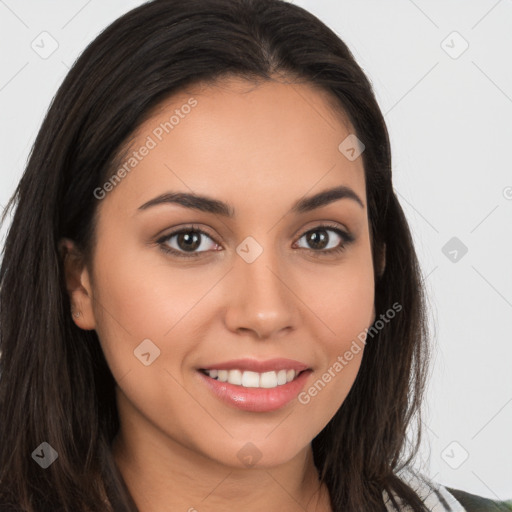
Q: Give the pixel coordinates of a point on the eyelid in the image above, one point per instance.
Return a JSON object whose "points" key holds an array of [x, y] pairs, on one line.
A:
{"points": [[328, 225]]}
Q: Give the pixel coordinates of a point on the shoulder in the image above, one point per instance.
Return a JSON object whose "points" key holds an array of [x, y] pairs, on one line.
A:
{"points": [[440, 498], [474, 503]]}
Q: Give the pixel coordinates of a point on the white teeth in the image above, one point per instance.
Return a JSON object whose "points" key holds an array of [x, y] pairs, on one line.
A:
{"points": [[249, 379], [235, 377], [268, 380]]}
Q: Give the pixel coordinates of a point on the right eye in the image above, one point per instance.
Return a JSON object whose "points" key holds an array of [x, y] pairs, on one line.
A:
{"points": [[187, 241]]}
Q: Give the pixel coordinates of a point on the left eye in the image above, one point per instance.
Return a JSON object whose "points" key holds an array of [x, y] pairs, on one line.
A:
{"points": [[317, 237]]}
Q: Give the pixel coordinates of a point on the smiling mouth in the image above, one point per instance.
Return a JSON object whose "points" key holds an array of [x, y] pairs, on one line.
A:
{"points": [[250, 379]]}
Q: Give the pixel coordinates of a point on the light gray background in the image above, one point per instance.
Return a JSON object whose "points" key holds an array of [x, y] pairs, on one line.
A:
{"points": [[450, 122]]}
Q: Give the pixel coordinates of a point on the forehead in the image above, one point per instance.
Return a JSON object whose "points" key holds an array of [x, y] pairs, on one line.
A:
{"points": [[242, 139]]}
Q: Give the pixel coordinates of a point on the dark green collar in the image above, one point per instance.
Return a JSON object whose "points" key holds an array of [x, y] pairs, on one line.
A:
{"points": [[474, 503]]}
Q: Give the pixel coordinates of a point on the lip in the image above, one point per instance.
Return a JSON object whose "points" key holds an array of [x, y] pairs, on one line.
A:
{"points": [[253, 365], [257, 399]]}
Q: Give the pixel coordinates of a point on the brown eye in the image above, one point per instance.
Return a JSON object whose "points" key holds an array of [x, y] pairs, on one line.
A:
{"points": [[319, 240], [185, 242], [188, 241]]}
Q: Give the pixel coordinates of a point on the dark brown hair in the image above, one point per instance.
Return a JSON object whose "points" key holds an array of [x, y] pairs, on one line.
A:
{"points": [[55, 385]]}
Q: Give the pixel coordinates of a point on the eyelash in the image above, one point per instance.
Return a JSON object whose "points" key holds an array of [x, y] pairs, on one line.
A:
{"points": [[347, 237]]}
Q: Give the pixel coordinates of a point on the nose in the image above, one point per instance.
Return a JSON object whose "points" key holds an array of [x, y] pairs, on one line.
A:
{"points": [[262, 300]]}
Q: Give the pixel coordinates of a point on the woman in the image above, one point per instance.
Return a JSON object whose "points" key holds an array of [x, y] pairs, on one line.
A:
{"points": [[209, 293]]}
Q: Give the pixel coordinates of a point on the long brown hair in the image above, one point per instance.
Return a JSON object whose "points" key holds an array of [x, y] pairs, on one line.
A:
{"points": [[55, 385]]}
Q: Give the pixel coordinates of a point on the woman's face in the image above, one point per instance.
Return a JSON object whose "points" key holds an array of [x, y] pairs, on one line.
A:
{"points": [[262, 291]]}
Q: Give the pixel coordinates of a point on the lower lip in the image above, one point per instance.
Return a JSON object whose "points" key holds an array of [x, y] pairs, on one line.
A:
{"points": [[256, 399]]}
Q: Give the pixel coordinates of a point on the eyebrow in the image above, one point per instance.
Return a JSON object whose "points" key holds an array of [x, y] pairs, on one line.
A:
{"points": [[211, 205]]}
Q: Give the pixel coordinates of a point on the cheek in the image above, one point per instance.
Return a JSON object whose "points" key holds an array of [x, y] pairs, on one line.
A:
{"points": [[139, 298], [346, 305], [342, 298], [343, 303]]}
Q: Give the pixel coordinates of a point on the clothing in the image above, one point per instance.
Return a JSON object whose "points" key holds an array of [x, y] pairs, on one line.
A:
{"points": [[474, 503], [439, 498]]}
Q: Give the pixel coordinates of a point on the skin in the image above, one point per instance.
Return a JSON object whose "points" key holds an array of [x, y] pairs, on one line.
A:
{"points": [[259, 148]]}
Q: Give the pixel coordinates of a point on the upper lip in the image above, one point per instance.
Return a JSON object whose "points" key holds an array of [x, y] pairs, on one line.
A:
{"points": [[259, 366]]}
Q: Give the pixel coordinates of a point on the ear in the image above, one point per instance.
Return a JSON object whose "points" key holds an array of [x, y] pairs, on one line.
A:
{"points": [[374, 315], [381, 266], [382, 260], [78, 285]]}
